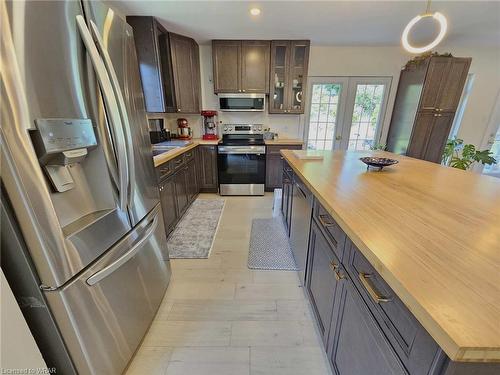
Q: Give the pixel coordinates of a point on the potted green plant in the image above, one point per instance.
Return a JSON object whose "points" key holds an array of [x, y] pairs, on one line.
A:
{"points": [[458, 155]]}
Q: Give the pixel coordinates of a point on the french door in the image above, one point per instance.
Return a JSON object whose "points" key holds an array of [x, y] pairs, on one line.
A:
{"points": [[346, 113]]}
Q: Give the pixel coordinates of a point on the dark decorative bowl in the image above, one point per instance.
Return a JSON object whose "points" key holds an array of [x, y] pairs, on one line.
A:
{"points": [[378, 162]]}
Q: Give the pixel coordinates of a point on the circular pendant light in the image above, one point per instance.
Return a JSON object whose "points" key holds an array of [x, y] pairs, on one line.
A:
{"points": [[443, 26]]}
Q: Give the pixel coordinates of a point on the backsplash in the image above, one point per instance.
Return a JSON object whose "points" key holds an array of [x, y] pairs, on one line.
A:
{"points": [[287, 126]]}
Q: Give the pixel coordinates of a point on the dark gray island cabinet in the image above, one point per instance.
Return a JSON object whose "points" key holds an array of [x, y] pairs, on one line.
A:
{"points": [[366, 329]]}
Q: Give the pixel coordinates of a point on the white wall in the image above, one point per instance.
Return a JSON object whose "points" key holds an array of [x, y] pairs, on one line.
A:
{"points": [[366, 61]]}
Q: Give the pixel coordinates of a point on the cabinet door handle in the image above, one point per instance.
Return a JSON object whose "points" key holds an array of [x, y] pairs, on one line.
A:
{"points": [[370, 288], [178, 109], [338, 275], [323, 220], [243, 90], [333, 266]]}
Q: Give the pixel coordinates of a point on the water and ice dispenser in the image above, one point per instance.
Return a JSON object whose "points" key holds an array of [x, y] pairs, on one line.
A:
{"points": [[60, 143]]}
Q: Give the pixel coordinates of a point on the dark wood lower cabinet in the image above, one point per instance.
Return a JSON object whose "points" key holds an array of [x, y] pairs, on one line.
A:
{"points": [[274, 165], [181, 191], [168, 203], [178, 187], [207, 168], [286, 198], [358, 345], [321, 283]]}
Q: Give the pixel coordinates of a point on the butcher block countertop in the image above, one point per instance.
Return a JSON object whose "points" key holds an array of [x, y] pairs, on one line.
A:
{"points": [[169, 155], [432, 232]]}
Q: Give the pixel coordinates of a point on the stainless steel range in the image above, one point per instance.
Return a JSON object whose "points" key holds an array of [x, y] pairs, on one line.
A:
{"points": [[242, 160]]}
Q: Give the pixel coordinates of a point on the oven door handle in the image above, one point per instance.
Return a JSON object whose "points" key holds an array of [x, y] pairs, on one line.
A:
{"points": [[242, 150]]}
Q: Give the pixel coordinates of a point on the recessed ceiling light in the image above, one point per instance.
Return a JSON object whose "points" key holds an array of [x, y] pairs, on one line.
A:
{"points": [[255, 11]]}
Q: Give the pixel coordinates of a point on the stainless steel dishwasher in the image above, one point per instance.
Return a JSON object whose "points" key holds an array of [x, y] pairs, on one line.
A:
{"points": [[300, 224]]}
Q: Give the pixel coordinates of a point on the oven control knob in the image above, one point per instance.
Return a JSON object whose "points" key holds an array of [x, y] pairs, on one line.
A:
{"points": [[225, 128]]}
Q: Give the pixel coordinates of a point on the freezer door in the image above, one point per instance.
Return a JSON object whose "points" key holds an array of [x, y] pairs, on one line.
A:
{"points": [[115, 40], [47, 74], [104, 314]]}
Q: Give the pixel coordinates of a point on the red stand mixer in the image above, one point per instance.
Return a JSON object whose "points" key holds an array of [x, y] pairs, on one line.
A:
{"points": [[183, 129], [209, 125]]}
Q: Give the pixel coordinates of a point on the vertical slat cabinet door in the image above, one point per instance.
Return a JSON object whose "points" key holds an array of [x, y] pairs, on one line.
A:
{"points": [[168, 204], [357, 345], [453, 84], [255, 66], [297, 81], [436, 74], [439, 135], [184, 71], [226, 56], [420, 135], [278, 80]]}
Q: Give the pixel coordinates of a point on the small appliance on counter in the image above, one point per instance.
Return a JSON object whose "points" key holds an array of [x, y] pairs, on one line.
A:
{"points": [[183, 129], [157, 131], [209, 125]]}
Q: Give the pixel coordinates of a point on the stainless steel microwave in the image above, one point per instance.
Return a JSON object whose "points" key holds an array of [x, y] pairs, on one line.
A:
{"points": [[242, 102]]}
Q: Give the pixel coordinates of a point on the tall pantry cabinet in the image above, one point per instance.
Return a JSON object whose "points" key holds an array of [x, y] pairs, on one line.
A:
{"points": [[428, 95]]}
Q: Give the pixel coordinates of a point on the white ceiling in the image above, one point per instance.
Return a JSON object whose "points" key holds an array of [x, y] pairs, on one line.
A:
{"points": [[349, 23]]}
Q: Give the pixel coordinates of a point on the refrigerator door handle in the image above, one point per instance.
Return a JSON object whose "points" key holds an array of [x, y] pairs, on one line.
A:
{"points": [[111, 108], [108, 270], [119, 96]]}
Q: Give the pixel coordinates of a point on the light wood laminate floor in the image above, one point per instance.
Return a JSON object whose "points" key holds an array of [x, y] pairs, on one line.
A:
{"points": [[220, 318]]}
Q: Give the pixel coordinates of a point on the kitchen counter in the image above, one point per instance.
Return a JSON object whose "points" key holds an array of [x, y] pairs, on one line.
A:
{"points": [[432, 232], [171, 154], [283, 141]]}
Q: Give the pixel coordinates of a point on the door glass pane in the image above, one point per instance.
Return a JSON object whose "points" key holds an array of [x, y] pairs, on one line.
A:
{"points": [[297, 76], [494, 169], [279, 77], [323, 115], [365, 116]]}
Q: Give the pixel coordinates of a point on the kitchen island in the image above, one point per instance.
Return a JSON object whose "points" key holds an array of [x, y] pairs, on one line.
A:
{"points": [[429, 234]]}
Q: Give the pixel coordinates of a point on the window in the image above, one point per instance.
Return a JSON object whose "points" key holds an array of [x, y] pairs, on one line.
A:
{"points": [[323, 115], [346, 112]]}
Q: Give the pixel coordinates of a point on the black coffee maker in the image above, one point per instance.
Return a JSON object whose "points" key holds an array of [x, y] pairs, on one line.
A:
{"points": [[157, 131]]}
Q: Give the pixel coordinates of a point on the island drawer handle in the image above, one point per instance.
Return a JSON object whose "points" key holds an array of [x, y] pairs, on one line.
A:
{"points": [[325, 221], [333, 265], [377, 297]]}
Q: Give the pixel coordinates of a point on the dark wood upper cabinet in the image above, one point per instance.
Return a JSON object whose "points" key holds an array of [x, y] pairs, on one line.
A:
{"points": [[186, 73], [288, 78], [428, 95], [255, 66], [226, 56], [241, 66], [169, 66]]}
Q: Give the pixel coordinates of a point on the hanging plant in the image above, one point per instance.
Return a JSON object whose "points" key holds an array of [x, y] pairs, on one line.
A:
{"points": [[458, 155]]}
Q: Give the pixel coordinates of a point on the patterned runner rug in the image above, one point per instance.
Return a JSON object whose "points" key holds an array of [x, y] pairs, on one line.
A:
{"points": [[269, 247], [194, 235]]}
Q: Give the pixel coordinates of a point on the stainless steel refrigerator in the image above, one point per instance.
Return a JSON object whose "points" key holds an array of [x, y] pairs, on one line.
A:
{"points": [[78, 174]]}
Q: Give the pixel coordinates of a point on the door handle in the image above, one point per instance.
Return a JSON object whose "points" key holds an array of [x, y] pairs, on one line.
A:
{"points": [[127, 139], [370, 288], [111, 106], [108, 270], [323, 220]]}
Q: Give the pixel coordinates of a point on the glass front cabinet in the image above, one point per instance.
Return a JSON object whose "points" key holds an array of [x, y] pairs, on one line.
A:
{"points": [[288, 76]]}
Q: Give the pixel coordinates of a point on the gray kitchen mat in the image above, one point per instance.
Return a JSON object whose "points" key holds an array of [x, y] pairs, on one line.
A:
{"points": [[269, 247], [194, 235]]}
